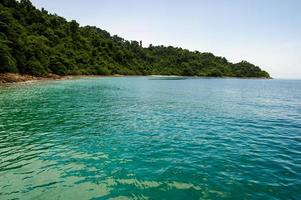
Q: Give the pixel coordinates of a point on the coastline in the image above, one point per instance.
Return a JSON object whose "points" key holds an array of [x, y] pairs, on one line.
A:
{"points": [[15, 77], [7, 78]]}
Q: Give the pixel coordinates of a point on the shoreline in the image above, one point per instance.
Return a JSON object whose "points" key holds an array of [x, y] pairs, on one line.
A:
{"points": [[7, 78]]}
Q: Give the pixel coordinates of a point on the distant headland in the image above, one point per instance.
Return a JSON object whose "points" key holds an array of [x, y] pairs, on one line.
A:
{"points": [[38, 43]]}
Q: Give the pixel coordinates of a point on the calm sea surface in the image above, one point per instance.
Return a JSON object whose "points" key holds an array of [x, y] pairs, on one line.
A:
{"points": [[136, 138]]}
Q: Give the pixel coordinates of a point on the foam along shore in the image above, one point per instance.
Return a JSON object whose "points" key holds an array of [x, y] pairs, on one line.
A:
{"points": [[167, 77]]}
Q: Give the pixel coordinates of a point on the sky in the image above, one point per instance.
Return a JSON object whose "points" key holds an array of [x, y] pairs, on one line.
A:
{"points": [[266, 33]]}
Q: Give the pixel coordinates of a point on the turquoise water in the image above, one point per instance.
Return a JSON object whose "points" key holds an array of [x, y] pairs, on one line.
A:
{"points": [[137, 138]]}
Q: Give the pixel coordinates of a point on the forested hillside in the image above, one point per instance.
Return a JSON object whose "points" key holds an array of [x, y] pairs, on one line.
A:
{"points": [[36, 42]]}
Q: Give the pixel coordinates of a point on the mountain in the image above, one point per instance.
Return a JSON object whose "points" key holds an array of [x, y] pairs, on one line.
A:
{"points": [[35, 42]]}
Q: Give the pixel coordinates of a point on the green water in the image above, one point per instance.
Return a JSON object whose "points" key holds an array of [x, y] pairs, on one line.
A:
{"points": [[136, 138]]}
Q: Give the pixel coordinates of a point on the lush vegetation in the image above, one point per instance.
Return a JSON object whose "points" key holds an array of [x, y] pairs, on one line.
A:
{"points": [[35, 42]]}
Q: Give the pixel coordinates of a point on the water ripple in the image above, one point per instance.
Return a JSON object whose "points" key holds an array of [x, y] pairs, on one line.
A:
{"points": [[132, 138]]}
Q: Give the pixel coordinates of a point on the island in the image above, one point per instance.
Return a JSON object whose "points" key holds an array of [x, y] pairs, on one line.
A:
{"points": [[37, 43]]}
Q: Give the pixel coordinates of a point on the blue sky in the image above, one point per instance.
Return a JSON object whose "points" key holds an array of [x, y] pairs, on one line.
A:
{"points": [[264, 32]]}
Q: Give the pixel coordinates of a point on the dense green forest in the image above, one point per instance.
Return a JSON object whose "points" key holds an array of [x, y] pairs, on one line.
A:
{"points": [[33, 41]]}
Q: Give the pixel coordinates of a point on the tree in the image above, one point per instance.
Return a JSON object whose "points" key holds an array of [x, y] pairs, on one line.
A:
{"points": [[7, 62], [36, 42]]}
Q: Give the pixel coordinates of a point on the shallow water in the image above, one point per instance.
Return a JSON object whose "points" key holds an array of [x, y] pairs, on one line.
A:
{"points": [[138, 138]]}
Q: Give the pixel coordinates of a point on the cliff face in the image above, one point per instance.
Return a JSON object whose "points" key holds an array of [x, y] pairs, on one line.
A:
{"points": [[35, 42]]}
